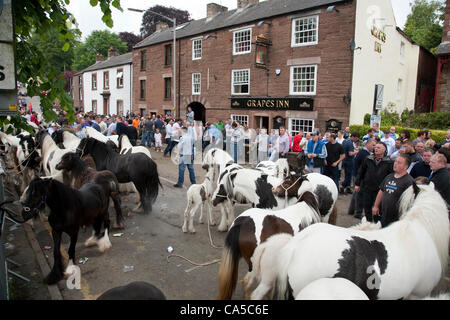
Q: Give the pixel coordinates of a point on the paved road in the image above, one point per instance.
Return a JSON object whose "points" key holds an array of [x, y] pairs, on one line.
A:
{"points": [[143, 248]]}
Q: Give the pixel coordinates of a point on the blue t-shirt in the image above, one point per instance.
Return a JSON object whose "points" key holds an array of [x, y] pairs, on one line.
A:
{"points": [[348, 146]]}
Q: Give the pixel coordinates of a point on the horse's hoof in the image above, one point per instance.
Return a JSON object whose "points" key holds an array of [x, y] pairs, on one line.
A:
{"points": [[222, 229], [90, 242]]}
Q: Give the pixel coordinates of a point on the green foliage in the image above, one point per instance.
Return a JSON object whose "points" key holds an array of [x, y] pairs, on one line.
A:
{"points": [[38, 20], [424, 23], [411, 119], [51, 43], [99, 41]]}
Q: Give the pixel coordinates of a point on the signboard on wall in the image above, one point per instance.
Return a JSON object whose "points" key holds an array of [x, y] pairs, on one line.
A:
{"points": [[8, 92], [275, 104], [378, 98]]}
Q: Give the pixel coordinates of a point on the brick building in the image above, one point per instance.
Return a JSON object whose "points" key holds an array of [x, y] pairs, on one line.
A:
{"points": [[297, 63], [442, 94]]}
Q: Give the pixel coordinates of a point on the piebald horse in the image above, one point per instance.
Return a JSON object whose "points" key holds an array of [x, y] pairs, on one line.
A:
{"points": [[252, 228], [405, 260], [322, 186], [218, 159], [93, 133], [125, 146]]}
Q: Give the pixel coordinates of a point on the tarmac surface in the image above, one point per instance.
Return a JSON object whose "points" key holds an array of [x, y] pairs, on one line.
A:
{"points": [[139, 251]]}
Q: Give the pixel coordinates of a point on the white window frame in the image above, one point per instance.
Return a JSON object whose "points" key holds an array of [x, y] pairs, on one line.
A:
{"points": [[235, 35], [80, 93], [291, 81], [303, 127], [199, 83], [94, 106], [242, 118], [232, 82], [294, 32], [196, 50]]}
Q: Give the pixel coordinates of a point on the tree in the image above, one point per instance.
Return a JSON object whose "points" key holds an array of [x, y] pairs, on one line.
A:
{"points": [[424, 23], [51, 43], [33, 68], [130, 39], [99, 41], [150, 19]]}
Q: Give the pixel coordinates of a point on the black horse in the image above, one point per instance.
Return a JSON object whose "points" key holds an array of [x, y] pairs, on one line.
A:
{"points": [[131, 167], [80, 173], [70, 209]]}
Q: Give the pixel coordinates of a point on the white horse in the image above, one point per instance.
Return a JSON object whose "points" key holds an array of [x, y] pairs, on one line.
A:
{"points": [[93, 133], [198, 195], [222, 161], [279, 168], [51, 154], [407, 259], [70, 141], [331, 289], [126, 146]]}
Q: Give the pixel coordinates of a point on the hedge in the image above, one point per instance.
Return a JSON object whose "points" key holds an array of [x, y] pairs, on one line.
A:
{"points": [[436, 135]]}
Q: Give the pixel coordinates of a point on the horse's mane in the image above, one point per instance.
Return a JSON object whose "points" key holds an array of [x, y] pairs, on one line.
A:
{"points": [[429, 209], [310, 199]]}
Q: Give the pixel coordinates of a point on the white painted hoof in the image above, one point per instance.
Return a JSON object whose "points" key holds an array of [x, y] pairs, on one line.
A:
{"points": [[104, 243], [92, 241], [70, 270]]}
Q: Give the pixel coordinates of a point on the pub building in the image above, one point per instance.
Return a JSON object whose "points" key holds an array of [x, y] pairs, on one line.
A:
{"points": [[278, 62]]}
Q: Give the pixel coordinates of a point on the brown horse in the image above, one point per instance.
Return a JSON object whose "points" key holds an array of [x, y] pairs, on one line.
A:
{"points": [[81, 173], [322, 186]]}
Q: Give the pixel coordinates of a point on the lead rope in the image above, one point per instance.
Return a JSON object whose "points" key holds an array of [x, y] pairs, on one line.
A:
{"points": [[286, 191]]}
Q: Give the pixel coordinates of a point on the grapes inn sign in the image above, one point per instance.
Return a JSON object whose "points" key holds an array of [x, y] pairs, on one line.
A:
{"points": [[276, 104]]}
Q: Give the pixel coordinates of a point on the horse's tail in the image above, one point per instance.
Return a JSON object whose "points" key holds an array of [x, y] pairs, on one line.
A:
{"points": [[228, 270], [282, 288], [153, 182]]}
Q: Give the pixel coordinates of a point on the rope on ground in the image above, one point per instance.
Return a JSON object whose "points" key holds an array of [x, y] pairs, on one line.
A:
{"points": [[209, 231], [191, 262]]}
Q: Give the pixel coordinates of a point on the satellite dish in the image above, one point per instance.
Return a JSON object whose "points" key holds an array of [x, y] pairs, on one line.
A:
{"points": [[259, 25], [352, 45]]}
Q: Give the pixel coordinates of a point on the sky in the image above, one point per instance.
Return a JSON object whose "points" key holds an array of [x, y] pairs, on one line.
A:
{"points": [[89, 18]]}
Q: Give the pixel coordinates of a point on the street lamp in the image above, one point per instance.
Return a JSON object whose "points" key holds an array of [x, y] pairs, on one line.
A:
{"points": [[174, 21]]}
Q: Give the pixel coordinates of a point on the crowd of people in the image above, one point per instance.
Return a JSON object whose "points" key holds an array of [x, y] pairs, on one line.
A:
{"points": [[380, 165]]}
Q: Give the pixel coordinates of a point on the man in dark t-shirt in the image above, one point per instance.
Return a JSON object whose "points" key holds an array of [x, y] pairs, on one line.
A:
{"points": [[391, 190], [335, 156]]}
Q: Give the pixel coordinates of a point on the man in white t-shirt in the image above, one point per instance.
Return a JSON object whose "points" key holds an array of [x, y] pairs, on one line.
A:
{"points": [[168, 136], [389, 142]]}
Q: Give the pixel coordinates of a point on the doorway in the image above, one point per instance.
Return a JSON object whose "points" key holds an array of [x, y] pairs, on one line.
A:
{"points": [[105, 106], [262, 122], [199, 111]]}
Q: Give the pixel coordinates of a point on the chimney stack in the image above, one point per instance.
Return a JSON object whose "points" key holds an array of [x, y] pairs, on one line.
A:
{"points": [[213, 8], [244, 3], [160, 25], [112, 52], [99, 57]]}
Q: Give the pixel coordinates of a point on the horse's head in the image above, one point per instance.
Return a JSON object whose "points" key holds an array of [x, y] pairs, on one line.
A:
{"points": [[40, 136], [58, 137], [110, 144], [86, 146], [34, 197], [32, 158], [290, 185], [68, 161]]}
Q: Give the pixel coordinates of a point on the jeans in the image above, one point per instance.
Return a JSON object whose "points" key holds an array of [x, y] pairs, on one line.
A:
{"points": [[147, 137], [171, 145], [368, 202], [348, 167], [235, 152], [356, 204], [182, 167], [168, 146], [333, 173]]}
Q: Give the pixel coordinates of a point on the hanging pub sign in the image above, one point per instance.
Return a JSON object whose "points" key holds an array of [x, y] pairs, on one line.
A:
{"points": [[262, 45], [8, 92], [269, 103]]}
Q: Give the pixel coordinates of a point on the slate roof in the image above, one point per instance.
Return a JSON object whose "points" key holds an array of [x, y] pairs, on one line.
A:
{"points": [[444, 48], [251, 13], [126, 58]]}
